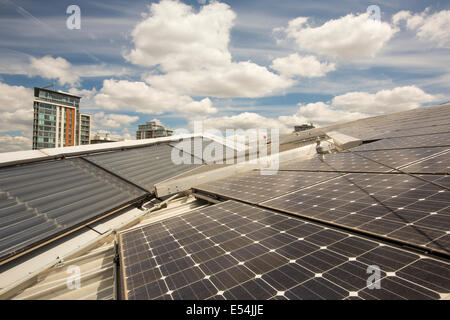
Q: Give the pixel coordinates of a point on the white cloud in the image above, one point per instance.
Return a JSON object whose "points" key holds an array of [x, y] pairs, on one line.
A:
{"points": [[112, 120], [384, 101], [343, 108], [320, 114], [429, 27], [242, 79], [351, 36], [244, 121], [140, 97], [175, 37], [13, 98], [14, 143], [16, 109], [191, 50], [17, 120], [303, 66], [53, 68]]}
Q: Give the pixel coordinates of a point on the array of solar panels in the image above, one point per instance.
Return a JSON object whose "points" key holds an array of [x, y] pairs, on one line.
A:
{"points": [[233, 250], [42, 200]]}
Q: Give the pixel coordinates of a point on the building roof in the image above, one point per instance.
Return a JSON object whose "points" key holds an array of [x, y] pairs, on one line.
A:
{"points": [[309, 230]]}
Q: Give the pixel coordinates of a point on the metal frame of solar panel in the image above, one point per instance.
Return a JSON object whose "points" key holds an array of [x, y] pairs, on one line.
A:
{"points": [[43, 200], [233, 250], [394, 206], [254, 187]]}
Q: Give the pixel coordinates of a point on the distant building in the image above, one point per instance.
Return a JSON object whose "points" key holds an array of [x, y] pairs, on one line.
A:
{"points": [[58, 121], [304, 127], [152, 130], [85, 128], [102, 137]]}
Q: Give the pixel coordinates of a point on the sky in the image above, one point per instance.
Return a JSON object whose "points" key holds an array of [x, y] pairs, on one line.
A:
{"points": [[231, 64]]}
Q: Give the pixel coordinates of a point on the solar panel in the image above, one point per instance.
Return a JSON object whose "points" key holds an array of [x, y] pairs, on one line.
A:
{"points": [[400, 157], [143, 166], [251, 253], [203, 148], [430, 140], [394, 206], [414, 131], [343, 162], [39, 201], [253, 187], [438, 164]]}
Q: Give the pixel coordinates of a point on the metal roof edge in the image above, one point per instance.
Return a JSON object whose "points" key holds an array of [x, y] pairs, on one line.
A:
{"points": [[21, 157]]}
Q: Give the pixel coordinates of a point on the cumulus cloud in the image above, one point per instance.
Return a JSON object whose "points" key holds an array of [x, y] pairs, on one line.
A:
{"points": [[303, 66], [243, 79], [321, 114], [112, 120], [53, 68], [191, 50], [342, 108], [244, 121], [14, 143], [16, 109], [140, 97], [351, 36], [384, 101], [429, 27], [17, 120], [13, 98]]}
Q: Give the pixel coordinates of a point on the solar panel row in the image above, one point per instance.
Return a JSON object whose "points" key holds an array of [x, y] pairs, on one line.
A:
{"points": [[430, 140], [243, 186], [143, 166], [394, 206], [39, 201], [236, 251], [368, 161]]}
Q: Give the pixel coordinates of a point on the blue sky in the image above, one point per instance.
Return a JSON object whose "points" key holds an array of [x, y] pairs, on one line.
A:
{"points": [[232, 64]]}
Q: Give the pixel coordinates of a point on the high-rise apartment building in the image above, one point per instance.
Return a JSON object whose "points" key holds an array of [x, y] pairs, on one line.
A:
{"points": [[152, 130], [58, 121]]}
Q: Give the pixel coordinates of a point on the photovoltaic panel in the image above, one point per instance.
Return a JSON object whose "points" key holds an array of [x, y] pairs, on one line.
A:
{"points": [[143, 166], [394, 206], [39, 201], [342, 162], [253, 187], [414, 131], [252, 253], [210, 151], [438, 164], [400, 157], [430, 140]]}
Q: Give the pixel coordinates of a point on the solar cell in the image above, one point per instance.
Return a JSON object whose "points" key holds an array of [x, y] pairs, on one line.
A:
{"points": [[394, 206], [297, 260], [253, 187]]}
